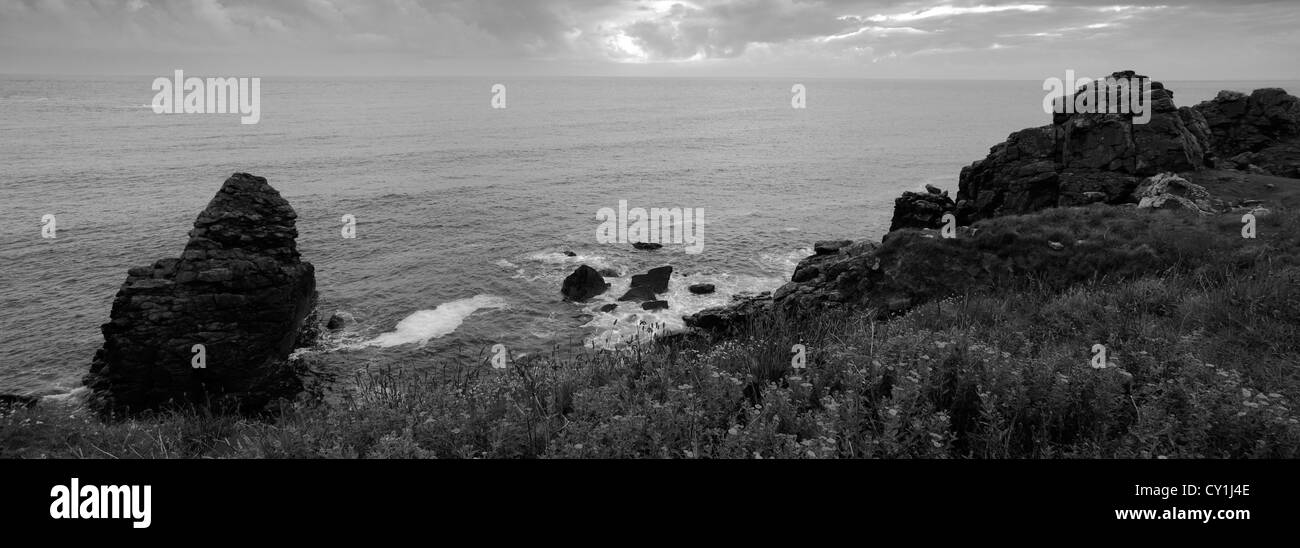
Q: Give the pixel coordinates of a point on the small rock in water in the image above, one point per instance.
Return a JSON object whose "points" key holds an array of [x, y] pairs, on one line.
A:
{"points": [[339, 320], [655, 305], [570, 254], [702, 289], [584, 283], [646, 287], [609, 273], [647, 246], [609, 307], [933, 189], [1056, 245]]}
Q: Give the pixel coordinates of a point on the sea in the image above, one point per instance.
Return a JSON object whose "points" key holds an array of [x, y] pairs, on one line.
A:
{"points": [[466, 215]]}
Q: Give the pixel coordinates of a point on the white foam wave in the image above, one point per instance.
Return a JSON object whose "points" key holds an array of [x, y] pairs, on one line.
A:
{"points": [[629, 323], [558, 258], [425, 325]]}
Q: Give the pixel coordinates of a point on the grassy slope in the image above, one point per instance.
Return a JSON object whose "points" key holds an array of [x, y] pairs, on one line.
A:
{"points": [[1202, 330]]}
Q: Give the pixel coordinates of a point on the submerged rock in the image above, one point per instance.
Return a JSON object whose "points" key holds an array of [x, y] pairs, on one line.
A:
{"points": [[239, 289], [647, 246]]}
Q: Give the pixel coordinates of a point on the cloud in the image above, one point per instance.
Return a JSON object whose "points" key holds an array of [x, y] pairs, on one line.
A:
{"points": [[944, 38]]}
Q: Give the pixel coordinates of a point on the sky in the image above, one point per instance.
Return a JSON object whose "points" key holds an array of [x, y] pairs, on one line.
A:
{"points": [[1022, 39]]}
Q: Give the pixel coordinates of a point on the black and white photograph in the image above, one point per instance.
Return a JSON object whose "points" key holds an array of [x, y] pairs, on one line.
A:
{"points": [[1049, 235]]}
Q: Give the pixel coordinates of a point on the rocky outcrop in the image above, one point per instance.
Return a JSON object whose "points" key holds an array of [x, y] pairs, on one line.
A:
{"points": [[1261, 129], [921, 209], [239, 289], [584, 283], [1084, 158], [648, 286], [726, 319], [1079, 159], [1089, 158]]}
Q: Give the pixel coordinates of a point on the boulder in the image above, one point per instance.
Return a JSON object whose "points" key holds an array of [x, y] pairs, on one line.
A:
{"points": [[646, 287], [584, 283], [239, 289], [339, 320], [701, 289], [609, 307], [1169, 191], [654, 305]]}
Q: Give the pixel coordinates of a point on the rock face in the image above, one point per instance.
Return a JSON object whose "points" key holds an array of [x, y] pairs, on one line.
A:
{"points": [[646, 287], [1088, 158], [584, 283], [1260, 129], [239, 289]]}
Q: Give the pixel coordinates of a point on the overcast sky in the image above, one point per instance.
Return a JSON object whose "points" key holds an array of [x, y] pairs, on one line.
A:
{"points": [[1028, 39]]}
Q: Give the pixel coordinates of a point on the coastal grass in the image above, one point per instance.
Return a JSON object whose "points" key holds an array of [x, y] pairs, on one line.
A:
{"points": [[1202, 345]]}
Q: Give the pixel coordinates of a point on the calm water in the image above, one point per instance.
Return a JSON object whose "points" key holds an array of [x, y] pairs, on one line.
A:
{"points": [[464, 211]]}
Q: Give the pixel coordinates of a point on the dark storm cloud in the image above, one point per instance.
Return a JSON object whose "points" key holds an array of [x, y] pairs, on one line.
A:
{"points": [[910, 38]]}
